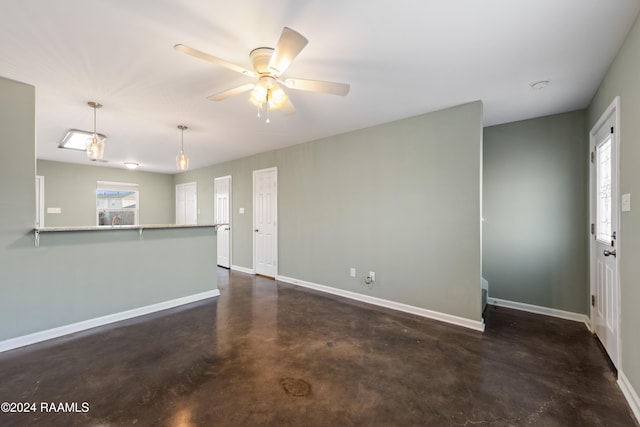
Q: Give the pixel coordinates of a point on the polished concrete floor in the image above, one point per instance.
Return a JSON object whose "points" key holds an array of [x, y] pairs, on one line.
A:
{"points": [[271, 354]]}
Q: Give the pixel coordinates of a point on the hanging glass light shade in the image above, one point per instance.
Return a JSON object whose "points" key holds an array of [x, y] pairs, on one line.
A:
{"points": [[182, 161], [95, 144]]}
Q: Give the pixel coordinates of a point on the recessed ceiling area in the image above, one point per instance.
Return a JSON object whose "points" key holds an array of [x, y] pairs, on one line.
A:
{"points": [[400, 58]]}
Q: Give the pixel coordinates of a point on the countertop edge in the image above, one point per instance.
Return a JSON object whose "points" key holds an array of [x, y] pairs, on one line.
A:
{"points": [[121, 227]]}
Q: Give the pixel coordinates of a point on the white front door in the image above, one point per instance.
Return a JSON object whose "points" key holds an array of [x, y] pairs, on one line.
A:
{"points": [[222, 209], [187, 204], [265, 221], [604, 247]]}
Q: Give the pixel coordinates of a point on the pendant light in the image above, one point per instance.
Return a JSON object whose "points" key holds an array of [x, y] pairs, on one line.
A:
{"points": [[181, 159], [95, 144]]}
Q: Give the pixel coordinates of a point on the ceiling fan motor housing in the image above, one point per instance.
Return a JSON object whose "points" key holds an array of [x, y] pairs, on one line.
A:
{"points": [[260, 58]]}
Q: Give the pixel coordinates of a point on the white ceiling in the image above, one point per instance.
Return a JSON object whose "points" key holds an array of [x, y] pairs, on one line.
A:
{"points": [[402, 58]]}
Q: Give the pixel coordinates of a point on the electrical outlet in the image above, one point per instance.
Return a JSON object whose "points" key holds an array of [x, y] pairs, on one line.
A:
{"points": [[353, 272]]}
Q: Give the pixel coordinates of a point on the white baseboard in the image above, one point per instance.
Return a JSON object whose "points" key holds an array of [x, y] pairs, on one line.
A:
{"points": [[48, 334], [477, 325], [243, 269], [630, 394], [568, 315]]}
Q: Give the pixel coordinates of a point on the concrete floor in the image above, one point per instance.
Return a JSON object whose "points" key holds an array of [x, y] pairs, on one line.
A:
{"points": [[268, 354]]}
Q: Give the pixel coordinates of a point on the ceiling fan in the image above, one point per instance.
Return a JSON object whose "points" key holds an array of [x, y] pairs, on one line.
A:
{"points": [[268, 66]]}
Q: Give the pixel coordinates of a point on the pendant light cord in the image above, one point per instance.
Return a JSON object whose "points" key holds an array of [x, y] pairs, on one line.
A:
{"points": [[182, 128]]}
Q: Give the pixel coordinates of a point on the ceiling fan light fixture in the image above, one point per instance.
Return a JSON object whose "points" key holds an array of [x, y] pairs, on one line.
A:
{"points": [[277, 98], [95, 144], [267, 91], [258, 96], [182, 161]]}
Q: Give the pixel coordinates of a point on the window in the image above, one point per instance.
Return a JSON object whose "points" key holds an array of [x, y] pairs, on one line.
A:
{"points": [[603, 174], [116, 203]]}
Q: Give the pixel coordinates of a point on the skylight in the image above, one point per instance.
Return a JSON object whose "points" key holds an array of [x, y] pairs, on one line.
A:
{"points": [[77, 139]]}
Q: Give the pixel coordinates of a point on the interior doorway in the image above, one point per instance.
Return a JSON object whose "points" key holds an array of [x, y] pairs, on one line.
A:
{"points": [[222, 209], [265, 222]]}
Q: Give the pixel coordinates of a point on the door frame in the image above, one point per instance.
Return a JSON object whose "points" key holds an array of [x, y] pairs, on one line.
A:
{"points": [[229, 213], [39, 201], [275, 214], [612, 109]]}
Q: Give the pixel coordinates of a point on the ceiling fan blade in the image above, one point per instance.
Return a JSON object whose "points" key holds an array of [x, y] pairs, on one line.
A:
{"points": [[289, 46], [230, 92], [213, 59], [318, 86]]}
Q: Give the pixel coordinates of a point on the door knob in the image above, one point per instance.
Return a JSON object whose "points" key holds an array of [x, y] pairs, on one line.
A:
{"points": [[608, 252], [256, 230]]}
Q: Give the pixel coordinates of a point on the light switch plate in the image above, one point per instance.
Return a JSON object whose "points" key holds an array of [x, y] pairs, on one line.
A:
{"points": [[626, 202], [241, 210]]}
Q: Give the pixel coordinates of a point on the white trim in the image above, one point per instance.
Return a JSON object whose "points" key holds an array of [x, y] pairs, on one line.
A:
{"points": [[630, 394], [117, 185], [40, 201], [477, 325], [48, 334], [243, 269], [553, 312]]}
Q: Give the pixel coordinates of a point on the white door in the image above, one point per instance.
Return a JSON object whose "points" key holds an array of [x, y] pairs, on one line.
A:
{"points": [[604, 247], [187, 204], [265, 221], [222, 209]]}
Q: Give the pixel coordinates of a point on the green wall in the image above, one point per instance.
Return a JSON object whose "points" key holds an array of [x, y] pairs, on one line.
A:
{"points": [[72, 188], [622, 80], [77, 276], [535, 210], [401, 199]]}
